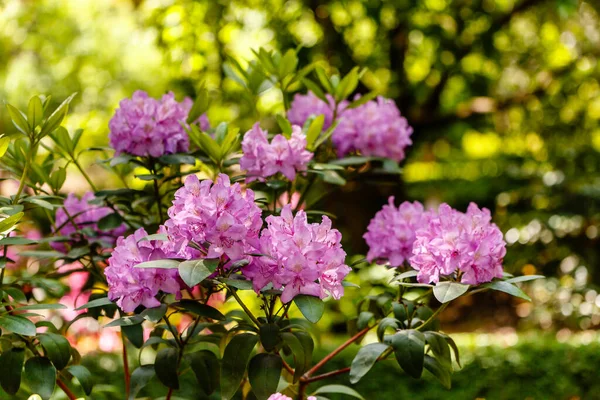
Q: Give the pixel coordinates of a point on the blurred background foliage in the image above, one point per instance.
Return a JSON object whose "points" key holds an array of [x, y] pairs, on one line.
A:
{"points": [[504, 97]]}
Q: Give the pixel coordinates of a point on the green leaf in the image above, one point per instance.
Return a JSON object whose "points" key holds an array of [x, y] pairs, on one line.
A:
{"points": [[135, 334], [441, 372], [140, 378], [524, 278], [4, 142], [362, 100], [15, 293], [288, 63], [314, 130], [15, 240], [165, 367], [103, 301], [387, 323], [205, 365], [503, 286], [313, 87], [284, 124], [445, 292], [84, 377], [264, 372], [11, 367], [365, 359], [352, 160], [309, 346], [409, 348], [439, 346], [17, 324], [35, 111], [111, 221], [200, 105], [11, 221], [300, 356], [56, 117], [57, 348], [154, 314], [18, 120], [205, 143], [338, 389], [310, 306], [52, 306], [333, 177], [364, 318], [42, 254], [156, 236], [347, 85], [40, 376], [126, 321], [240, 284], [235, 360], [163, 264], [269, 336], [177, 159], [193, 272], [324, 79], [200, 309]]}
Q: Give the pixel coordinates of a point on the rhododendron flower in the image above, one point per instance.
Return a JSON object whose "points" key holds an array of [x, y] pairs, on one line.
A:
{"points": [[143, 126], [217, 217], [466, 243], [279, 396], [391, 233], [375, 128], [262, 159], [131, 286], [308, 105], [299, 257], [77, 214]]}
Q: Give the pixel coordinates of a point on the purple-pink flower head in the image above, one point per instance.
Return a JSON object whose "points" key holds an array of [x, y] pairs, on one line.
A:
{"points": [[391, 233], [468, 244], [143, 126], [299, 257], [77, 214], [308, 105], [131, 286], [279, 396], [262, 159], [375, 128], [217, 217]]}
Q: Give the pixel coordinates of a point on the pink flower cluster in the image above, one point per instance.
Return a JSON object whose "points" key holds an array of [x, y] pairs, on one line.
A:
{"points": [[455, 242], [308, 105], [77, 214], [299, 257], [143, 126], [262, 159], [392, 232], [279, 396], [375, 128], [216, 217], [131, 286]]}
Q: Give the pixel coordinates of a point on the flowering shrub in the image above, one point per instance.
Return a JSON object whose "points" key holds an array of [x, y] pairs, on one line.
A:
{"points": [[222, 214]]}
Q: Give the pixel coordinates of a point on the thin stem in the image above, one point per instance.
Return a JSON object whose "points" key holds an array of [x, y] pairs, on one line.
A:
{"points": [[125, 365], [439, 310], [335, 352], [85, 175], [158, 199], [173, 332], [246, 309], [24, 175], [326, 375], [169, 393], [65, 389]]}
